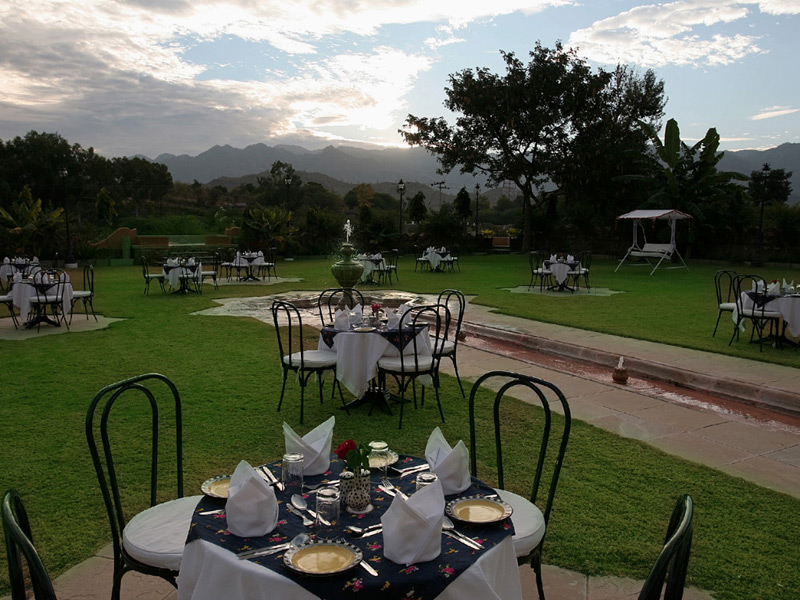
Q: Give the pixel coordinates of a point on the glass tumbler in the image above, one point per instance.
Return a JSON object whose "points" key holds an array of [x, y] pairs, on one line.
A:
{"points": [[424, 479], [292, 473], [327, 520], [379, 456]]}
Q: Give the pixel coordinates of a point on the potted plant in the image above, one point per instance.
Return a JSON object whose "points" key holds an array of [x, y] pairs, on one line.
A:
{"points": [[354, 478]]}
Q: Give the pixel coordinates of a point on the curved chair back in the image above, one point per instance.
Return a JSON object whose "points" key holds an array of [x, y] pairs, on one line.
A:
{"points": [[724, 286], [456, 300], [545, 392], [19, 545], [585, 259], [328, 302], [437, 318], [290, 343], [147, 390], [672, 563], [88, 278]]}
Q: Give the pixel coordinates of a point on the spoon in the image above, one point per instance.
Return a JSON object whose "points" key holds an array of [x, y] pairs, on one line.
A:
{"points": [[300, 503], [359, 531]]}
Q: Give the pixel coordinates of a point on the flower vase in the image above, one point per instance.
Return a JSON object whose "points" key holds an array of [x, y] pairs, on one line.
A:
{"points": [[355, 491]]}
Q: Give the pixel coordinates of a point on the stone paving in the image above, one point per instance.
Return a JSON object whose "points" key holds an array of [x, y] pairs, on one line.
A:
{"points": [[758, 440]]}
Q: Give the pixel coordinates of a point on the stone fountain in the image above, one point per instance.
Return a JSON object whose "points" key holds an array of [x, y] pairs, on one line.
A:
{"points": [[347, 271]]}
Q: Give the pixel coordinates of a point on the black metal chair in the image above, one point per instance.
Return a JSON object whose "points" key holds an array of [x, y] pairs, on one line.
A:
{"points": [[389, 267], [581, 270], [329, 301], [530, 521], [751, 297], [724, 287], [406, 369], [86, 295], [266, 269], [150, 277], [295, 358], [672, 563], [422, 262], [152, 541], [19, 546], [450, 346], [212, 273], [49, 287], [537, 270], [8, 301]]}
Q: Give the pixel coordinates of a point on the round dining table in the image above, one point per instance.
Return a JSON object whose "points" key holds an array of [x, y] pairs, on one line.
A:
{"points": [[210, 568]]}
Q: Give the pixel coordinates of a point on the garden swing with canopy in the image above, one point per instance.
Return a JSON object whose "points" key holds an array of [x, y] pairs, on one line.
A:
{"points": [[649, 251]]}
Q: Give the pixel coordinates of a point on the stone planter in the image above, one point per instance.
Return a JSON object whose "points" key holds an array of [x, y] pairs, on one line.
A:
{"points": [[355, 491]]}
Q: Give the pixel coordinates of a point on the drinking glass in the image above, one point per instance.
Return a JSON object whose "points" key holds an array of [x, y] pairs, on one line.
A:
{"points": [[424, 479], [292, 473], [327, 508], [379, 455]]}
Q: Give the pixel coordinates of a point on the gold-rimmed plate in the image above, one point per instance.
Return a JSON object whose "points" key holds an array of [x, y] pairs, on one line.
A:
{"points": [[322, 558], [375, 463], [365, 329], [478, 510], [216, 487]]}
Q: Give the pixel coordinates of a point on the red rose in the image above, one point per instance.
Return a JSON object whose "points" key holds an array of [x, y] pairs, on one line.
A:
{"points": [[344, 448]]}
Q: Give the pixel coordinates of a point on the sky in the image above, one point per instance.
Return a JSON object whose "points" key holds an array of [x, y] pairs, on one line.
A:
{"points": [[146, 77]]}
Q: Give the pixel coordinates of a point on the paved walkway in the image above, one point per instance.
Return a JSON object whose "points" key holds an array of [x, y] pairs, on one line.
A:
{"points": [[755, 442]]}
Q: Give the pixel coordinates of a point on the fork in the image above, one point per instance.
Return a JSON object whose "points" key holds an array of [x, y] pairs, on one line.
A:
{"points": [[388, 485]]}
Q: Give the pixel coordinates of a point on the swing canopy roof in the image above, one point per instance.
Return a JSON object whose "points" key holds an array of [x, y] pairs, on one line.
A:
{"points": [[660, 214]]}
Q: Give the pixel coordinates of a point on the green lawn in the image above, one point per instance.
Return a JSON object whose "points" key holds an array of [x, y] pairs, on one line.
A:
{"points": [[615, 496]]}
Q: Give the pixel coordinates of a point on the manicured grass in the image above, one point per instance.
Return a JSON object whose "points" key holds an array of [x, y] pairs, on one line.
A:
{"points": [[615, 495]]}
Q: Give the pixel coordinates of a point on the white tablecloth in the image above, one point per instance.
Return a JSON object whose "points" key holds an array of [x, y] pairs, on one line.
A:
{"points": [[434, 258], [22, 292], [787, 306], [357, 356], [175, 274], [370, 265], [210, 572]]}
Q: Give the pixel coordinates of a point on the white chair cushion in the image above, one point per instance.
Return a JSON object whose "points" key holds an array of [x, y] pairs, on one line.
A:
{"points": [[528, 522], [393, 363], [81, 294], [447, 347], [157, 535], [312, 359], [731, 306]]}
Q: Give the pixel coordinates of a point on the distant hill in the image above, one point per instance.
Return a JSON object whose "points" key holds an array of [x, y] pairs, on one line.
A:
{"points": [[785, 156], [348, 166], [344, 163]]}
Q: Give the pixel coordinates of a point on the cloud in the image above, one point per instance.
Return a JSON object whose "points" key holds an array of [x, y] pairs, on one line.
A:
{"points": [[772, 112], [680, 33]]}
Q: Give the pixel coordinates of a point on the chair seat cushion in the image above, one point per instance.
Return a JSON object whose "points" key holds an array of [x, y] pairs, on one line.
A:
{"points": [[528, 522], [729, 306], [81, 294], [394, 364], [756, 313], [157, 535], [447, 347], [312, 359]]}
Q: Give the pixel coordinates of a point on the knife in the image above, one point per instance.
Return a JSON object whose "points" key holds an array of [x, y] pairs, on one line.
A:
{"points": [[273, 480], [263, 551], [373, 532], [412, 470], [467, 541], [368, 568]]}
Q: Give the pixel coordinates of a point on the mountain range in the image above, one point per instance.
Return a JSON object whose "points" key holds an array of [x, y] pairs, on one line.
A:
{"points": [[341, 167]]}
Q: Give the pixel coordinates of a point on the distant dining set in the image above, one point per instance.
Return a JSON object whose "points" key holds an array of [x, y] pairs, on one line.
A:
{"points": [[45, 295], [561, 272], [439, 258]]}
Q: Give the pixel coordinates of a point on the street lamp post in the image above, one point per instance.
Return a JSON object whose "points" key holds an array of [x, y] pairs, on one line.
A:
{"points": [[69, 260], [401, 189], [477, 197], [288, 181]]}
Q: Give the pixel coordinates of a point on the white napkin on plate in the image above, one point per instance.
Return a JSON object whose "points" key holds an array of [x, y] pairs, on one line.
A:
{"points": [[17, 277], [412, 529], [341, 320], [6, 261], [260, 253], [357, 309], [315, 446], [451, 465], [392, 319], [190, 262], [251, 509], [553, 258], [773, 289], [171, 262], [787, 286], [570, 258], [35, 259]]}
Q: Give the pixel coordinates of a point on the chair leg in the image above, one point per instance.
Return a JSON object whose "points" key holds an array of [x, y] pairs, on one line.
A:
{"points": [[458, 378], [283, 389], [536, 564], [719, 314]]}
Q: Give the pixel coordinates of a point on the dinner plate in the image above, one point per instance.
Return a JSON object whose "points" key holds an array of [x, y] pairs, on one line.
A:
{"points": [[478, 510], [322, 558], [374, 463], [365, 329], [216, 487]]}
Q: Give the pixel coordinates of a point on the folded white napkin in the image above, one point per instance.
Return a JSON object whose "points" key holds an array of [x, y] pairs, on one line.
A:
{"points": [[315, 446], [357, 315], [17, 277], [341, 320], [451, 465], [412, 529], [377, 256], [553, 258], [35, 259], [6, 261], [171, 262], [773, 289], [570, 258], [190, 262], [392, 320], [260, 253], [786, 286], [251, 509]]}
